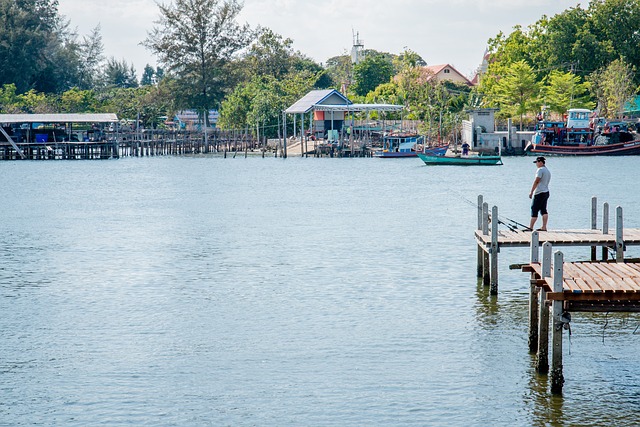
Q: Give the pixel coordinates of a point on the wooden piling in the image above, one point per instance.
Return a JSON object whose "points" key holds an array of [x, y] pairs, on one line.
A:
{"points": [[533, 295], [619, 236], [485, 256], [594, 224], [494, 251], [557, 378], [605, 229], [480, 250], [542, 356]]}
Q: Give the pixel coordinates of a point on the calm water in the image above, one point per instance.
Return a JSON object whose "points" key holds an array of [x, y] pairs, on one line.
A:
{"points": [[297, 292]]}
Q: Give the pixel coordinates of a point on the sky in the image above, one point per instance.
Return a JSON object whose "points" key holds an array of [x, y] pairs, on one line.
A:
{"points": [[441, 31]]}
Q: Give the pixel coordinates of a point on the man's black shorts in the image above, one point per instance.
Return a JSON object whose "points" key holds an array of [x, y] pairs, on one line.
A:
{"points": [[539, 204]]}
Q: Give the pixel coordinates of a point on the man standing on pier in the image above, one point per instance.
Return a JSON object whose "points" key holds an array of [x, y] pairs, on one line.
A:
{"points": [[540, 194]]}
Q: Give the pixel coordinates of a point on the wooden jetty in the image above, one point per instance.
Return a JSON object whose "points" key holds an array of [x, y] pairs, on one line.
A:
{"points": [[137, 144], [491, 238], [567, 287], [558, 287]]}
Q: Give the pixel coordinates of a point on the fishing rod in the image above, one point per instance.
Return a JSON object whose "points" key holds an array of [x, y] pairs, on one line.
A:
{"points": [[511, 224]]}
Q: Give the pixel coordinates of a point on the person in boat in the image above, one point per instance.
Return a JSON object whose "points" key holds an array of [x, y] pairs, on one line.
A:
{"points": [[465, 149], [538, 137], [540, 194]]}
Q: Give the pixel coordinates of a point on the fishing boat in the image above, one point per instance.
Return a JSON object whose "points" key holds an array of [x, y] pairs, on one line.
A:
{"points": [[398, 145], [437, 150], [470, 160], [583, 135]]}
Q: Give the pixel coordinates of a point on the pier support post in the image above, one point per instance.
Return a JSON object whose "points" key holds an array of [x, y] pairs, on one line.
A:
{"points": [[619, 236], [494, 251], [605, 229], [542, 357], [485, 256], [480, 249], [594, 224], [533, 295], [557, 379]]}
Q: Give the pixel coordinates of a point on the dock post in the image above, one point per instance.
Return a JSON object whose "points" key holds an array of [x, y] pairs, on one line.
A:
{"points": [[594, 223], [542, 358], [485, 256], [619, 236], [557, 379], [605, 229], [480, 249], [494, 251], [533, 295]]}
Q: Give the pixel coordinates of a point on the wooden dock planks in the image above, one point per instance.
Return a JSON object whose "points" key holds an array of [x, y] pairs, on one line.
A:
{"points": [[593, 281], [509, 238]]}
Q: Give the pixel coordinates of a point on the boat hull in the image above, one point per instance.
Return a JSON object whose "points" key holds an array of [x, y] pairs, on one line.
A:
{"points": [[631, 148], [461, 161], [394, 154]]}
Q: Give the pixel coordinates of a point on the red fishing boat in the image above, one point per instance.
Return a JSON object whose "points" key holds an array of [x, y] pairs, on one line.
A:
{"points": [[584, 135]]}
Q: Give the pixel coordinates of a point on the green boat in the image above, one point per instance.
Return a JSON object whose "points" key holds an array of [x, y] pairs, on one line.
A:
{"points": [[472, 160]]}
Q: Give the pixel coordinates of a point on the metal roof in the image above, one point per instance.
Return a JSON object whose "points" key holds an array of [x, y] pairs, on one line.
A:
{"points": [[58, 118], [356, 108], [311, 100]]}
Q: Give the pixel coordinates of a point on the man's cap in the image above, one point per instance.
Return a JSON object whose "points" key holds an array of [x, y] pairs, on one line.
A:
{"points": [[540, 159]]}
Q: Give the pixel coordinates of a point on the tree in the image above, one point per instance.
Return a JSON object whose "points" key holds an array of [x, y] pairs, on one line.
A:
{"points": [[119, 74], [564, 90], [374, 70], [78, 101], [195, 40], [91, 59], [408, 59], [516, 93], [28, 31], [269, 55], [9, 101], [339, 69], [613, 86], [259, 102], [147, 76]]}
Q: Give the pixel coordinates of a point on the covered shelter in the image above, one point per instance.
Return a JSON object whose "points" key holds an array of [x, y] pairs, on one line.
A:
{"points": [[42, 129], [328, 112], [51, 127]]}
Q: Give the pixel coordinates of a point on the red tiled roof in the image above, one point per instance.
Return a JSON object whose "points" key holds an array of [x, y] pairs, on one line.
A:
{"points": [[435, 69]]}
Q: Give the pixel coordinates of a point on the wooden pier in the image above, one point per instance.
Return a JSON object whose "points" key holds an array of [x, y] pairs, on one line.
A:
{"points": [[567, 287], [491, 238], [137, 144], [558, 288]]}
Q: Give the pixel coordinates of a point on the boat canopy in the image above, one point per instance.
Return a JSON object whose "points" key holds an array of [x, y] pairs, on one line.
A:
{"points": [[58, 118]]}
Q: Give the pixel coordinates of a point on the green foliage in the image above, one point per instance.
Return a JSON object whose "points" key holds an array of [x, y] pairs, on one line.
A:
{"points": [[408, 59], [339, 69], [196, 40], [259, 102], [27, 35], [577, 40], [78, 101], [9, 101], [119, 74], [563, 91], [269, 55], [613, 86], [147, 76], [516, 92], [374, 70]]}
